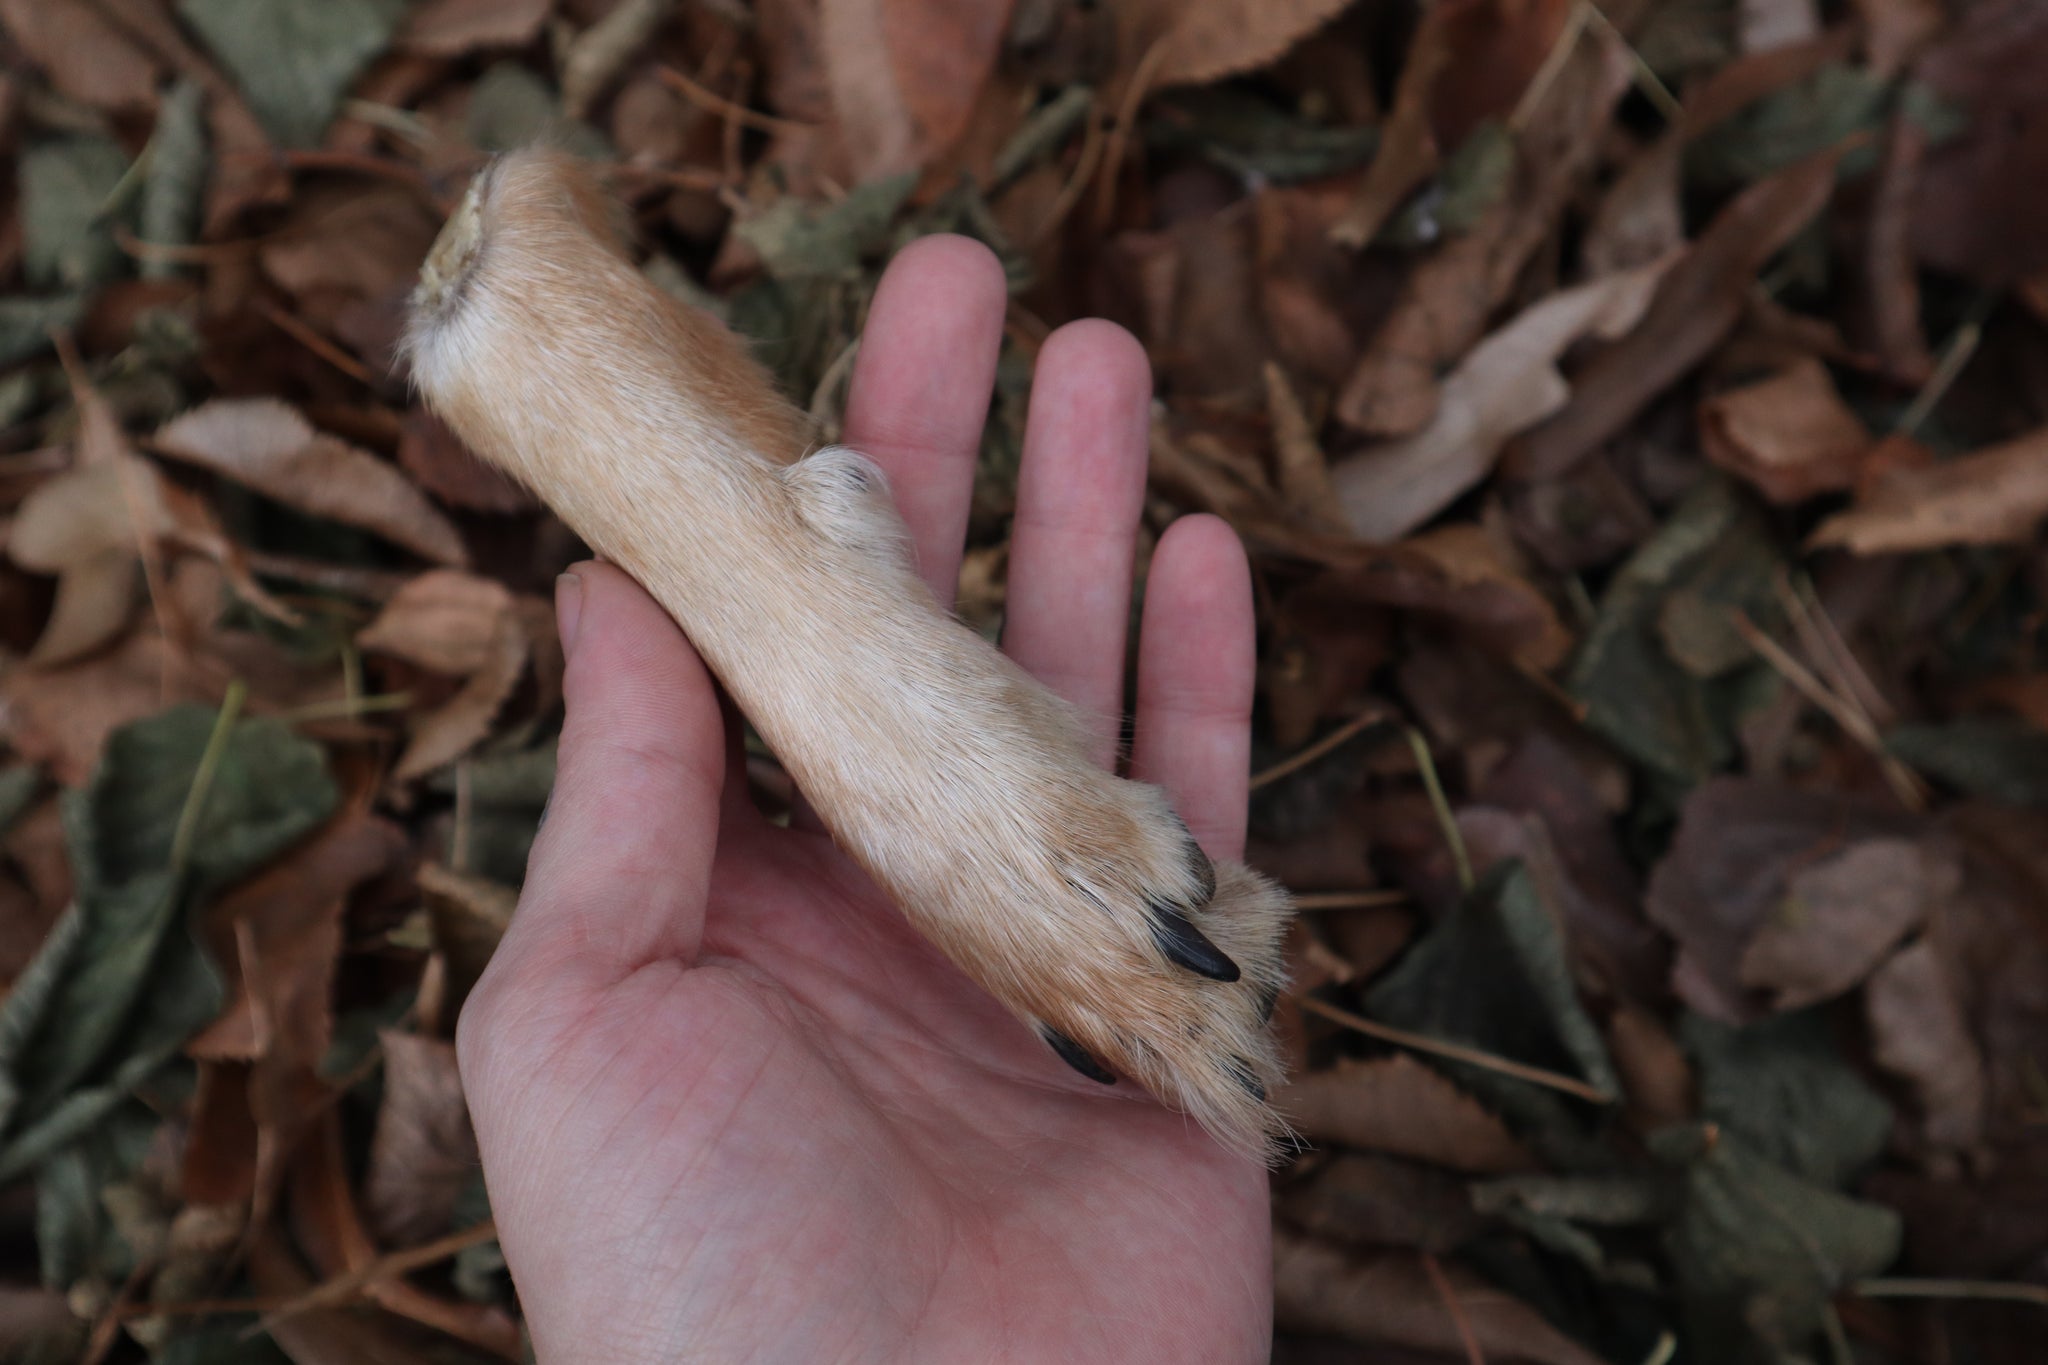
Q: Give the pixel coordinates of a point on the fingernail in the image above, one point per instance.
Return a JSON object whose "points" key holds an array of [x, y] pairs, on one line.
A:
{"points": [[568, 606]]}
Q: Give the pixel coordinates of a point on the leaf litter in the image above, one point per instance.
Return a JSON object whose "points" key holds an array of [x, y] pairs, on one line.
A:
{"points": [[1638, 402]]}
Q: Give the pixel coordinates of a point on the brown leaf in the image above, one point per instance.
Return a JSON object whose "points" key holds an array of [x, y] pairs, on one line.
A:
{"points": [[1358, 1199], [1402, 1107], [1791, 435], [424, 1154], [1741, 842], [267, 445], [1918, 1033], [60, 717], [1452, 295], [1391, 1299], [1206, 40], [1639, 216], [1299, 463], [1700, 299], [470, 915], [455, 28], [85, 56], [1507, 384], [445, 467], [1841, 916], [455, 623], [1989, 497], [1407, 153], [1979, 211], [905, 74], [1464, 574]]}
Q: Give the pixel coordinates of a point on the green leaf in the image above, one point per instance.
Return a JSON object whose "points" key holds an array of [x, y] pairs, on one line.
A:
{"points": [[1758, 1252], [1993, 756], [511, 108], [122, 984], [175, 182], [1493, 973], [26, 323], [1663, 673], [294, 59], [18, 787], [74, 1235], [798, 242], [66, 185], [1785, 1090], [1473, 180]]}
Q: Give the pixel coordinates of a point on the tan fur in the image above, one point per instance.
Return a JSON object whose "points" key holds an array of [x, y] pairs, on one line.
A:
{"points": [[957, 781]]}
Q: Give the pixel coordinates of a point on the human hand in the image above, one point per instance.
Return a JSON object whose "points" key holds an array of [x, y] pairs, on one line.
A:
{"points": [[730, 1106]]}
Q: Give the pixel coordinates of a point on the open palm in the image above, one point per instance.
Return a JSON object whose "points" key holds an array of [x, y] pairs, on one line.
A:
{"points": [[730, 1107]]}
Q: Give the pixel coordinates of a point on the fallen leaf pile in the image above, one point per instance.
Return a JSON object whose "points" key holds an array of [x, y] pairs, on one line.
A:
{"points": [[1638, 417]]}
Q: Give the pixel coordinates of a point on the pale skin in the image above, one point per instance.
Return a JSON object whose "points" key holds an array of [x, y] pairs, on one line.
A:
{"points": [[730, 1107]]}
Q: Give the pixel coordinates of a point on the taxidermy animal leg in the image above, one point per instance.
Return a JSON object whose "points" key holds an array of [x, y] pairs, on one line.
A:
{"points": [[958, 782]]}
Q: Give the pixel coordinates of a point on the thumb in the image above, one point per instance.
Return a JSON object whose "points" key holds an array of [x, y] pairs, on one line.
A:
{"points": [[619, 873]]}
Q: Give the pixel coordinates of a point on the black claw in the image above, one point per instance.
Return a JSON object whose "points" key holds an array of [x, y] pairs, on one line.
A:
{"points": [[1076, 1056], [1180, 940], [1269, 996], [1205, 871]]}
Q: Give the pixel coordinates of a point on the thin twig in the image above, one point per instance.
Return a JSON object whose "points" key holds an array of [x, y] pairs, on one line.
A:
{"points": [[1120, 129], [1955, 354], [317, 344], [1438, 802], [1449, 1294], [187, 828], [1646, 80], [342, 1288], [1349, 730], [706, 98], [1996, 1291], [1904, 784], [1349, 900], [1553, 66], [1457, 1052]]}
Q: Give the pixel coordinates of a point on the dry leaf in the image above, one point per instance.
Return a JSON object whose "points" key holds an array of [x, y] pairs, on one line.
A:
{"points": [[1791, 435], [1449, 298], [1355, 1199], [1407, 153], [1989, 497], [85, 56], [454, 28], [1397, 1105], [1506, 385], [1206, 41], [424, 1153], [1699, 299], [455, 623], [90, 525], [267, 445], [444, 467], [905, 74], [1840, 917], [1918, 1032], [1391, 1299]]}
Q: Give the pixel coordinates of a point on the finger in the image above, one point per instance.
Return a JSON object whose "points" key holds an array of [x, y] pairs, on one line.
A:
{"points": [[1079, 491], [1196, 655], [921, 386], [619, 873]]}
